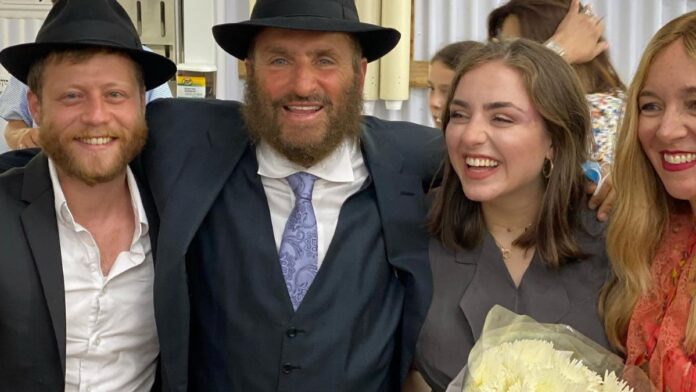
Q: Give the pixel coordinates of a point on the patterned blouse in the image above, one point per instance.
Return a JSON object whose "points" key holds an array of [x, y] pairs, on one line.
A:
{"points": [[658, 323], [606, 111]]}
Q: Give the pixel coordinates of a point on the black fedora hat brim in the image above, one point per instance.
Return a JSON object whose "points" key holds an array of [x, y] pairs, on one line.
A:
{"points": [[19, 58], [375, 41]]}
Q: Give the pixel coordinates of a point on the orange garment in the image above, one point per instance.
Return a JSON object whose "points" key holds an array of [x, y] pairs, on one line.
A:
{"points": [[658, 323]]}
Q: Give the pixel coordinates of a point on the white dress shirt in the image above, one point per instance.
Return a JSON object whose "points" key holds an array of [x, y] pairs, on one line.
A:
{"points": [[340, 175], [111, 340]]}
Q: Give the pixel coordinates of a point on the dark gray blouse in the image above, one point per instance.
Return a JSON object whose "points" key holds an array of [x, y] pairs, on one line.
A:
{"points": [[468, 283]]}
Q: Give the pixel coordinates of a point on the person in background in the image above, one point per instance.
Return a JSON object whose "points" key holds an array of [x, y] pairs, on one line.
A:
{"points": [[509, 228], [20, 131], [440, 74], [578, 34], [76, 268], [649, 307], [539, 20], [546, 21]]}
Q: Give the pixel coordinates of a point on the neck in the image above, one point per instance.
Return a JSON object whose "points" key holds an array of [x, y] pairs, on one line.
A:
{"points": [[510, 216], [93, 203]]}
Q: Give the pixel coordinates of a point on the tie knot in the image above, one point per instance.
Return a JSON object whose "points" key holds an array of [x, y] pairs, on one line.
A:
{"points": [[302, 184]]}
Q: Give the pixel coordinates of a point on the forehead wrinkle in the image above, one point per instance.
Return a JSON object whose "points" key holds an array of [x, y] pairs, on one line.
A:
{"points": [[314, 52]]}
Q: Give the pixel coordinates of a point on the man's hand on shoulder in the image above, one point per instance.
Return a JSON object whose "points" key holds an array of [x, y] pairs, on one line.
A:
{"points": [[18, 135], [603, 196]]}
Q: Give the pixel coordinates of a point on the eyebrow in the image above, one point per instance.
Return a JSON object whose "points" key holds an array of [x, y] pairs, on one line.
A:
{"points": [[688, 90], [489, 106], [459, 102], [279, 50], [275, 50]]}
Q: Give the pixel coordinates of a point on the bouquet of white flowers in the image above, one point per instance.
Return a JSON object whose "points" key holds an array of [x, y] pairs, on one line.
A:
{"points": [[516, 354]]}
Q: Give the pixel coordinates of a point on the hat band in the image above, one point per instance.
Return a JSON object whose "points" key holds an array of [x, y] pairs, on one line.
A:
{"points": [[324, 9]]}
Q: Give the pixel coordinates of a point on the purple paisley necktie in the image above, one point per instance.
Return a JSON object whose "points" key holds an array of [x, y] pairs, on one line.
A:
{"points": [[298, 247]]}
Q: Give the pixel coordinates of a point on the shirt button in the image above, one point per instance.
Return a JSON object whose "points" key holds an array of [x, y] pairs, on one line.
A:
{"points": [[93, 267], [97, 342]]}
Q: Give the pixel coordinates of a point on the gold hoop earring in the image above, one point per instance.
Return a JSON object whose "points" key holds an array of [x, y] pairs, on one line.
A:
{"points": [[547, 169]]}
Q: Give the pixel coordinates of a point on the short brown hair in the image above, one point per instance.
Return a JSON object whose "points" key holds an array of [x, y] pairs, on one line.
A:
{"points": [[75, 56], [556, 94]]}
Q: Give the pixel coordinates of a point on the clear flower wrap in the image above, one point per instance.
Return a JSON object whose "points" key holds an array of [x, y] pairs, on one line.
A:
{"points": [[516, 353]]}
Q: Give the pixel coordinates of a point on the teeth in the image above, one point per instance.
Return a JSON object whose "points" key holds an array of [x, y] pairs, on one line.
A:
{"points": [[96, 140], [481, 162], [679, 158], [304, 108]]}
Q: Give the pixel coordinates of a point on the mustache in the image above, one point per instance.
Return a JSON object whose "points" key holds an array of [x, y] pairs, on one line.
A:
{"points": [[89, 132], [98, 133], [288, 98]]}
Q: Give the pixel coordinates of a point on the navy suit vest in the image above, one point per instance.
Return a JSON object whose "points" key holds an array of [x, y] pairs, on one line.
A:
{"points": [[245, 335]]}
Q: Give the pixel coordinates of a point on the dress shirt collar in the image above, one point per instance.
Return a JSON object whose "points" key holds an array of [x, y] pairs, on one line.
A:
{"points": [[65, 217], [337, 167]]}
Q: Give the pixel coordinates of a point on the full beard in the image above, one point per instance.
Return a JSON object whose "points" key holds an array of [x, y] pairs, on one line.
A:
{"points": [[343, 120], [93, 170]]}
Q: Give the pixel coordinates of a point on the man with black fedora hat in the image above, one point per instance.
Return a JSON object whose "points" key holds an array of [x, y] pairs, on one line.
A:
{"points": [[20, 132], [292, 253], [76, 271]]}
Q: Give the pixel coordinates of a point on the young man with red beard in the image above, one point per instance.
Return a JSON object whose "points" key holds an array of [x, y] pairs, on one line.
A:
{"points": [[76, 271], [292, 253]]}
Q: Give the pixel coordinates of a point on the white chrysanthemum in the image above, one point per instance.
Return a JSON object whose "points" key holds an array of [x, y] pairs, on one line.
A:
{"points": [[535, 366], [613, 384]]}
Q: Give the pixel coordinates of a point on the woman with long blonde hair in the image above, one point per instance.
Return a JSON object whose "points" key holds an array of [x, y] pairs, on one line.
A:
{"points": [[648, 306]]}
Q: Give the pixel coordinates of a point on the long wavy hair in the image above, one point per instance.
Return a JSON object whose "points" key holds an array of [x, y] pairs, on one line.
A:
{"points": [[642, 207], [556, 94], [539, 19]]}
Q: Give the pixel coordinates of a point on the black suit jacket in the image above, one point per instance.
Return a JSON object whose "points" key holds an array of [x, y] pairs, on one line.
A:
{"points": [[194, 147], [32, 300]]}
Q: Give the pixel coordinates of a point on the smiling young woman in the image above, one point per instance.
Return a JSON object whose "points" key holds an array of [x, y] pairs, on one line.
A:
{"points": [[509, 225]]}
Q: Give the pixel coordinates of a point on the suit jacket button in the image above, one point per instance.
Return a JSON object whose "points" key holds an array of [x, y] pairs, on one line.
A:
{"points": [[291, 333], [288, 368]]}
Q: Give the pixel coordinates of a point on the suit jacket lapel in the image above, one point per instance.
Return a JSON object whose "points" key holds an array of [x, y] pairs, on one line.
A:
{"points": [[384, 165], [470, 302], [541, 294], [545, 298], [207, 168], [401, 206], [41, 230]]}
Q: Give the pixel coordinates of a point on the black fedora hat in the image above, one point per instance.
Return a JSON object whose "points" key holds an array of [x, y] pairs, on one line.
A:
{"points": [[313, 15], [74, 24]]}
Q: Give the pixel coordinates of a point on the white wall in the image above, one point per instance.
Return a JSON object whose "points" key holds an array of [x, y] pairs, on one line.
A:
{"points": [[630, 24]]}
